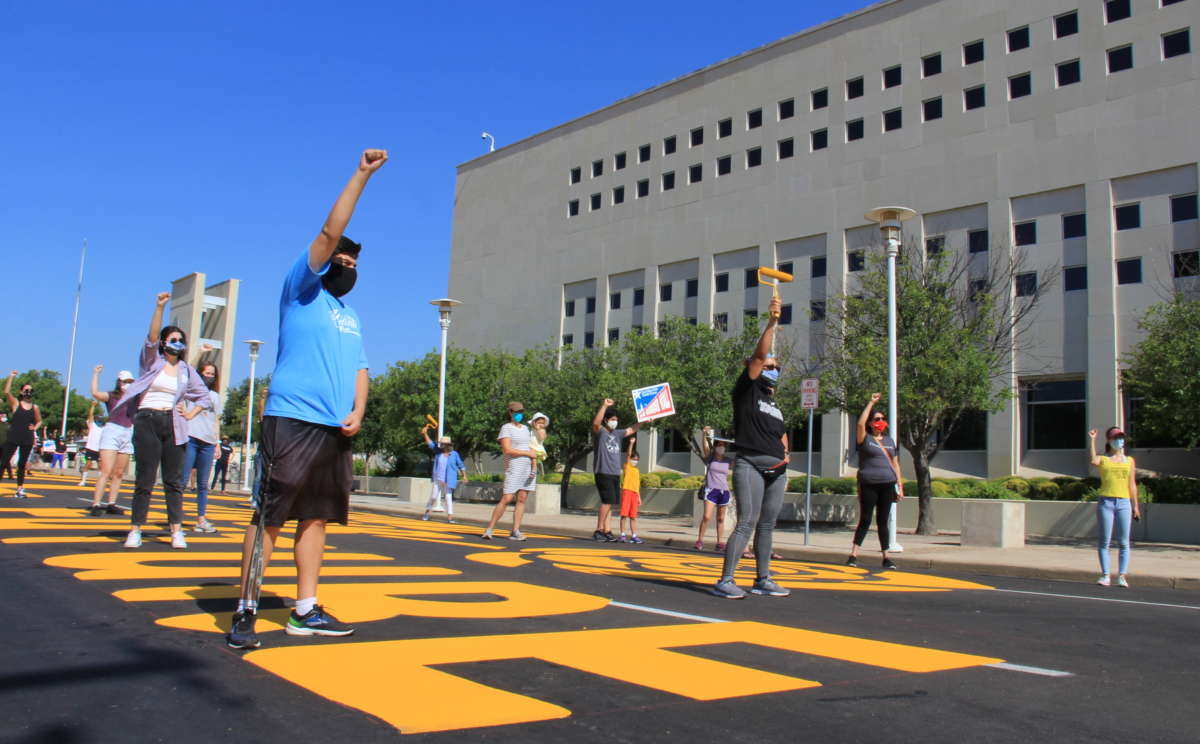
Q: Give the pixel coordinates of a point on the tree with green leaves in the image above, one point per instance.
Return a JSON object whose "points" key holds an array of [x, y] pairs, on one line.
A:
{"points": [[959, 321], [233, 415], [1163, 373]]}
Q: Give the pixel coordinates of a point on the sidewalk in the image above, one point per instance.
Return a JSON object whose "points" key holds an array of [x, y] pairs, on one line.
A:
{"points": [[1153, 565]]}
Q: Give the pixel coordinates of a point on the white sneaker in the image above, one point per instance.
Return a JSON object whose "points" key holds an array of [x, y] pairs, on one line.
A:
{"points": [[517, 537], [1122, 582], [177, 540], [1104, 581], [134, 540]]}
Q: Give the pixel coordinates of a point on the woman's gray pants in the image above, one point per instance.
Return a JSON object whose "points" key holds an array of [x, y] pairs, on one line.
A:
{"points": [[759, 498]]}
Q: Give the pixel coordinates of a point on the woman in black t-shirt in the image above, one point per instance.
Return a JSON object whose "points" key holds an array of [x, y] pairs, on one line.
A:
{"points": [[879, 482], [759, 474]]}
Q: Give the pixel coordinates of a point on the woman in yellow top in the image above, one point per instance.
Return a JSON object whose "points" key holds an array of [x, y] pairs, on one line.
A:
{"points": [[1118, 500]]}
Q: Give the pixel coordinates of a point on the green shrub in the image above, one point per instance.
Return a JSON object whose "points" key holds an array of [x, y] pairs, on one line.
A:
{"points": [[941, 490], [1017, 485], [1044, 489], [834, 485], [554, 478], [1173, 490], [651, 480], [666, 476], [992, 490], [690, 482]]}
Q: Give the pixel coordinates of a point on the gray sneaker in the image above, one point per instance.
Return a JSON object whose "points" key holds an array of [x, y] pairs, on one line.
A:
{"points": [[726, 589], [767, 586], [517, 537]]}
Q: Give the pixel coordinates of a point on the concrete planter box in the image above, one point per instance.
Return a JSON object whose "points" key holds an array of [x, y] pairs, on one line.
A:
{"points": [[655, 501], [993, 524]]}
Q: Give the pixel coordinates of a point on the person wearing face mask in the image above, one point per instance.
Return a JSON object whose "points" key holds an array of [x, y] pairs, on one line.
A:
{"points": [[759, 473], [606, 462], [23, 421], [1117, 503], [116, 441], [315, 406], [520, 469], [5, 465], [716, 486], [448, 467], [221, 466], [203, 431], [160, 437], [879, 481]]}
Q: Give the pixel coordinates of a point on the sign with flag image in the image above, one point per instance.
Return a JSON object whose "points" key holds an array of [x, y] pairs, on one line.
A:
{"points": [[653, 402]]}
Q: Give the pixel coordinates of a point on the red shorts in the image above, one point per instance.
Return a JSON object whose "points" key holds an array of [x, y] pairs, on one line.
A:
{"points": [[630, 500]]}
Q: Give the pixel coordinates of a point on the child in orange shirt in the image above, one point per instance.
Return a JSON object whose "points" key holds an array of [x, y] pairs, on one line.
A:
{"points": [[631, 497]]}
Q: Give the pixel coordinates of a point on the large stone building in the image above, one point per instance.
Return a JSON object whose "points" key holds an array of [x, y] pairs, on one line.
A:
{"points": [[1065, 127]]}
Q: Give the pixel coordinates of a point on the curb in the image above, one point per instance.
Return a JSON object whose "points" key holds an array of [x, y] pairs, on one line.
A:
{"points": [[829, 555]]}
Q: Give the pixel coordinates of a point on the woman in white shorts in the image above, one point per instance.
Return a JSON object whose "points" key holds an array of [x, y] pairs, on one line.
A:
{"points": [[520, 469], [116, 442]]}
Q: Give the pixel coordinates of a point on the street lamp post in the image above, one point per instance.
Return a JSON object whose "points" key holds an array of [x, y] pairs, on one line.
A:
{"points": [[444, 306], [254, 347], [490, 140], [889, 219]]}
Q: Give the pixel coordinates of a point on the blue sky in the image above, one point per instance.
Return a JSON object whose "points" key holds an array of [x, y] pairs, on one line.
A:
{"points": [[213, 137]]}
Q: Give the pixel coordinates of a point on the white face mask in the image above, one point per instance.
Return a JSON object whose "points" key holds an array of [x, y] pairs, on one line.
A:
{"points": [[611, 424], [720, 451], [633, 463]]}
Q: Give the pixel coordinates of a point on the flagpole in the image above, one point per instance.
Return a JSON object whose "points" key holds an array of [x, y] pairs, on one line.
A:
{"points": [[74, 330]]}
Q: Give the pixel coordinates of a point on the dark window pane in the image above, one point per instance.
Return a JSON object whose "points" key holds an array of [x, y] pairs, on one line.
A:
{"points": [[589, 340], [618, 194], [1183, 208], [787, 109], [1116, 10], [785, 267], [932, 109], [568, 339], [1074, 226], [643, 188], [721, 321], [1129, 216], [820, 139], [664, 293], [1177, 43], [1129, 271], [614, 300], [594, 202], [614, 335], [722, 282], [854, 88], [697, 137], [669, 145], [935, 245], [1020, 86], [785, 315], [1074, 278], [643, 153], [969, 433], [695, 173], [693, 287], [691, 319], [787, 148], [569, 308], [751, 278], [1025, 233], [1186, 263], [1018, 38], [891, 77], [749, 314], [1066, 24], [974, 98], [668, 180], [973, 52], [724, 128], [576, 174], [754, 157], [931, 65], [977, 241], [857, 261], [976, 288], [573, 208], [818, 267], [1120, 59], [591, 305], [816, 311], [724, 165], [1068, 73], [754, 119], [597, 168], [892, 120], [854, 130], [820, 98], [639, 297], [619, 161], [1057, 426], [1026, 284]]}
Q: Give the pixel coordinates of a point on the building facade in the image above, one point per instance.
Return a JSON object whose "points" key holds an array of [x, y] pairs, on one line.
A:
{"points": [[1065, 127]]}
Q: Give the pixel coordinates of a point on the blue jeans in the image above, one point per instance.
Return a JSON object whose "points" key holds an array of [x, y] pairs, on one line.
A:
{"points": [[198, 455], [1108, 511]]}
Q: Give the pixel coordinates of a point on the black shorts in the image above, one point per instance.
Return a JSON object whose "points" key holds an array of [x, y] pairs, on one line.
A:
{"points": [[307, 471], [609, 487], [91, 454]]}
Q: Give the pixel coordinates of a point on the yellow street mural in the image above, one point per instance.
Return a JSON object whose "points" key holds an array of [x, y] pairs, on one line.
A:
{"points": [[404, 681]]}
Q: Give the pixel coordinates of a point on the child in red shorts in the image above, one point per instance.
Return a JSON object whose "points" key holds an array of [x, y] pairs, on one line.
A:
{"points": [[631, 497]]}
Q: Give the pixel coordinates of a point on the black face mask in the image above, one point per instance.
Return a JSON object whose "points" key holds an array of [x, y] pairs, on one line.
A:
{"points": [[339, 280], [26, 394]]}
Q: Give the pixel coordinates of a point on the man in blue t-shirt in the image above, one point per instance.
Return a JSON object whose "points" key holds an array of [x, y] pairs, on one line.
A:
{"points": [[316, 402]]}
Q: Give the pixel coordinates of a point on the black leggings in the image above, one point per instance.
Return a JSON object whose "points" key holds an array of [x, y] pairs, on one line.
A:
{"points": [[219, 469], [22, 459], [877, 497], [154, 444]]}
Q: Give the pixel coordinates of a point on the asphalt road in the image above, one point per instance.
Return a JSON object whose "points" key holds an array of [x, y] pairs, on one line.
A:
{"points": [[560, 639]]}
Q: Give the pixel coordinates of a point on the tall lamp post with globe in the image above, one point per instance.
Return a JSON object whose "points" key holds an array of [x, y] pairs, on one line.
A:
{"points": [[444, 306], [255, 345]]}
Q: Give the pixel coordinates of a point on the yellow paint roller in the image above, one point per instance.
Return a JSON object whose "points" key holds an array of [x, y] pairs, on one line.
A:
{"points": [[772, 278], [432, 421]]}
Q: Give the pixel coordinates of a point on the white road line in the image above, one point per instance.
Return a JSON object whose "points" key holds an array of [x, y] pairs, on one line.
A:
{"points": [[1030, 669], [668, 613], [1100, 599]]}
